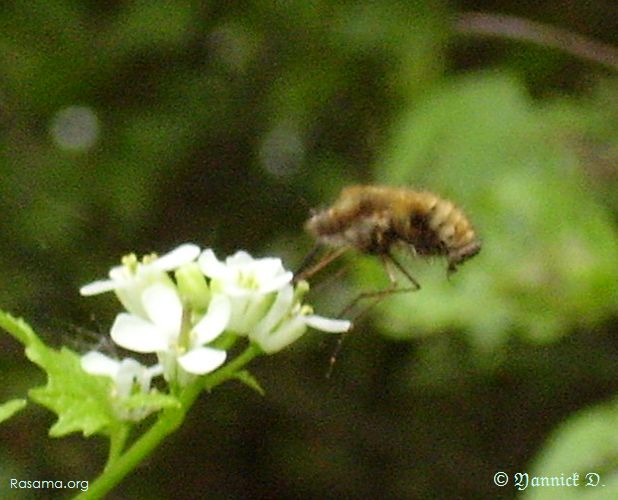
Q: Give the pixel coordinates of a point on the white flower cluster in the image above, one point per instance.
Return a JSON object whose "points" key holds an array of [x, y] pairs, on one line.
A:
{"points": [[177, 318]]}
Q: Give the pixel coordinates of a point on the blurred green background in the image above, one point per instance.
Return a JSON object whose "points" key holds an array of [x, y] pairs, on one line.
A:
{"points": [[135, 126]]}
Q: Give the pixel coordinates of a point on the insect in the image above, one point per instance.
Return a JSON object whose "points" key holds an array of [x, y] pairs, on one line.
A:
{"points": [[376, 219]]}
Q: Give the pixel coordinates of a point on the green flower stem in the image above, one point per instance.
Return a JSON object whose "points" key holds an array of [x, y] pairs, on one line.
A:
{"points": [[227, 372], [115, 471], [118, 439], [166, 424]]}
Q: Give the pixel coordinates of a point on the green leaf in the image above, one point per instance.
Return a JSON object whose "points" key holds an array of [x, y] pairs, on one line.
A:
{"points": [[249, 380], [18, 328], [80, 400], [586, 444], [8, 409], [548, 259]]}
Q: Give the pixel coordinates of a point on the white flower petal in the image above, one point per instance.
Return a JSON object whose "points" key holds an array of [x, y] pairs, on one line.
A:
{"points": [[120, 275], [238, 318], [137, 334], [239, 259], [268, 266], [143, 273], [183, 254], [155, 370], [281, 306], [96, 363], [232, 289], [130, 291], [242, 275], [327, 324], [256, 307], [129, 373], [163, 307], [214, 321], [97, 287], [130, 297], [276, 282], [202, 360], [125, 373], [211, 266], [288, 332]]}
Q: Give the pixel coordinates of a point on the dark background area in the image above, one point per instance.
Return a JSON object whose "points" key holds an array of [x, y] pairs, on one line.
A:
{"points": [[132, 126]]}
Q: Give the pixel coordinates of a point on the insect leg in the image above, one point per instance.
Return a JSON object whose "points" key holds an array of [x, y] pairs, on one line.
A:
{"points": [[378, 295], [307, 261], [393, 288], [388, 258], [304, 273]]}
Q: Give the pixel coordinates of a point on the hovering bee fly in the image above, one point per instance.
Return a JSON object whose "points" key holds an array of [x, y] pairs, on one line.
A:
{"points": [[376, 219]]}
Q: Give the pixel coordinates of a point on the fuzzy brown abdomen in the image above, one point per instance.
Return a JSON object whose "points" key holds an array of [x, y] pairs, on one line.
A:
{"points": [[374, 218], [454, 232]]}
